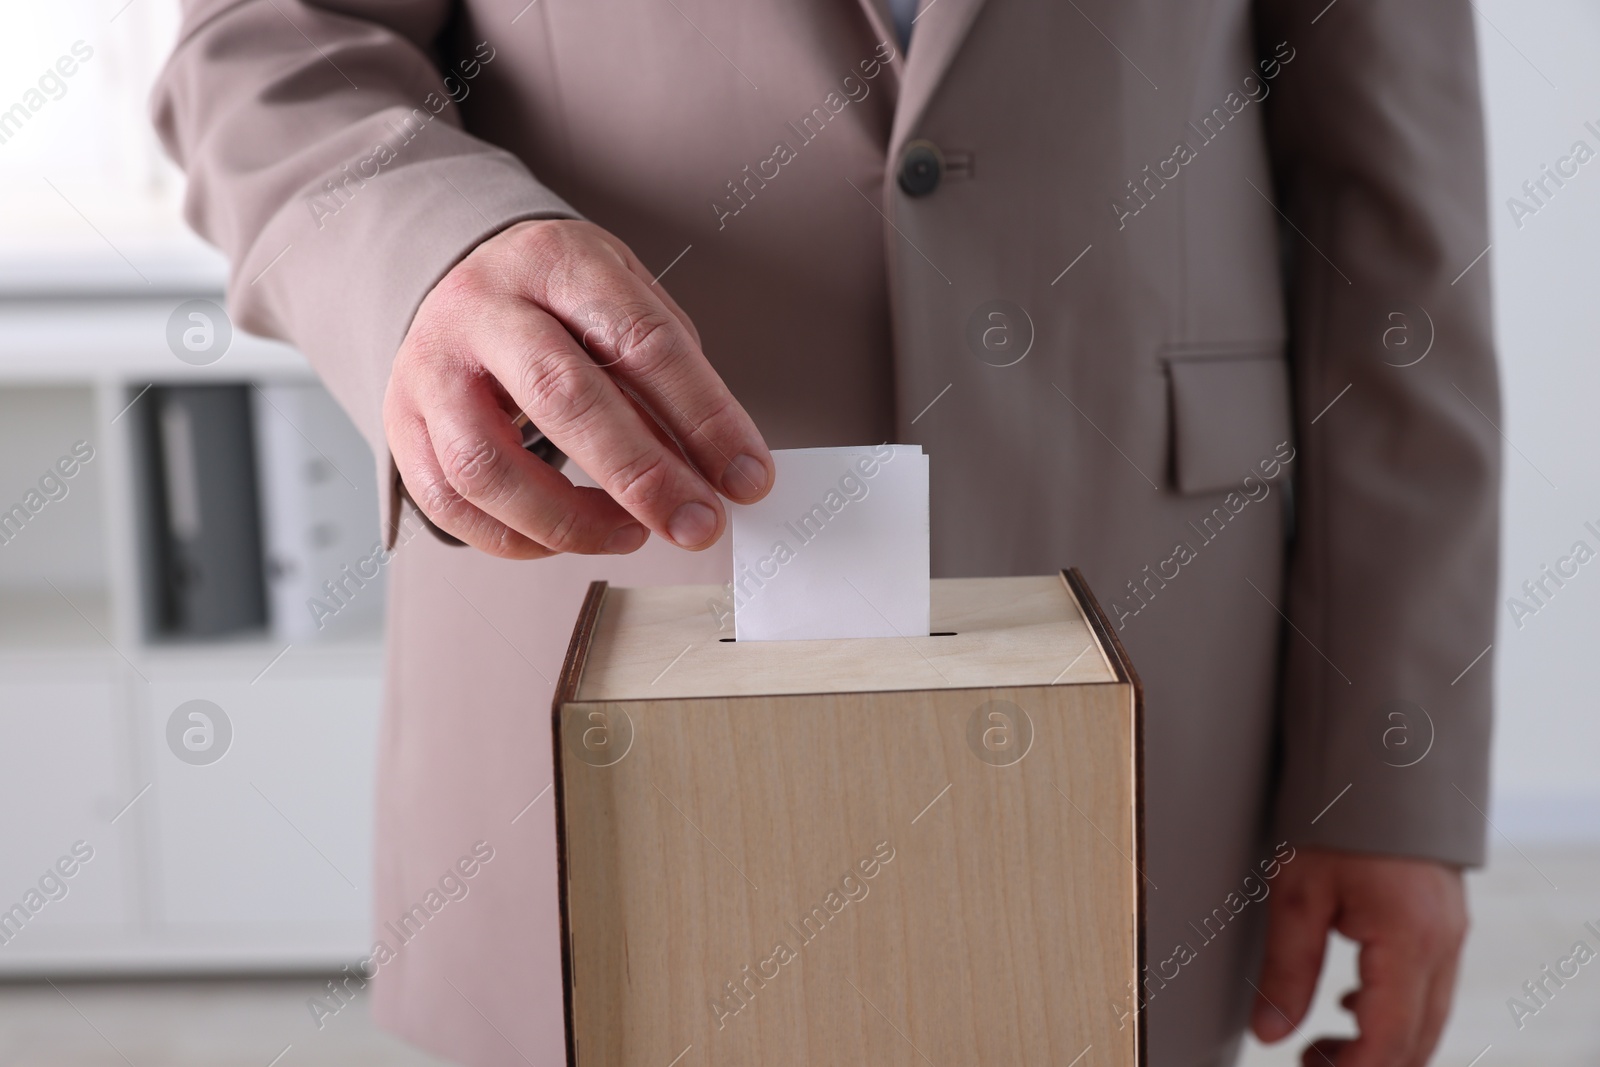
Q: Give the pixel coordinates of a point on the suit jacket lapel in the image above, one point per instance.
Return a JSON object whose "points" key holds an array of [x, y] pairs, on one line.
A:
{"points": [[882, 23], [940, 28]]}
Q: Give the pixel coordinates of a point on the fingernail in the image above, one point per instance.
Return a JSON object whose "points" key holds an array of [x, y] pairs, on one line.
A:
{"points": [[745, 478], [625, 539], [692, 524]]}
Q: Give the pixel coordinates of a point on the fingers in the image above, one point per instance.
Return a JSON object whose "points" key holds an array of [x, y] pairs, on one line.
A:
{"points": [[643, 272], [1323, 1052], [1410, 918], [1436, 1011], [1396, 974], [559, 321], [1407, 983], [583, 411], [480, 454], [1300, 915], [432, 492], [600, 293]]}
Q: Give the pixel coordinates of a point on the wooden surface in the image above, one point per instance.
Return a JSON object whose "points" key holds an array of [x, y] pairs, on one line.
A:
{"points": [[664, 643], [1002, 931]]}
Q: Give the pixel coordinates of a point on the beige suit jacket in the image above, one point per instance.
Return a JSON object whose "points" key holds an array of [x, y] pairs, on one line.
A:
{"points": [[1221, 233]]}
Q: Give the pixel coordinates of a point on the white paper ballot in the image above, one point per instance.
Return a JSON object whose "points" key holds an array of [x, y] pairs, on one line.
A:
{"points": [[838, 548]]}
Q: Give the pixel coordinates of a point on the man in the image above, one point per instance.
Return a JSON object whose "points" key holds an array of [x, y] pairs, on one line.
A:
{"points": [[1128, 271]]}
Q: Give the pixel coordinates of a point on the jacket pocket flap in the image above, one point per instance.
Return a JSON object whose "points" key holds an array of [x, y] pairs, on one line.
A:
{"points": [[1228, 415]]}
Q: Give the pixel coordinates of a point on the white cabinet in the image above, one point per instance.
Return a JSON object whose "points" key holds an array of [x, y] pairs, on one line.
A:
{"points": [[276, 832], [65, 875], [258, 860]]}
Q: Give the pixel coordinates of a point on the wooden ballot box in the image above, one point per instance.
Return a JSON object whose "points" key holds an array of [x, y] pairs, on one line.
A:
{"points": [[893, 852]]}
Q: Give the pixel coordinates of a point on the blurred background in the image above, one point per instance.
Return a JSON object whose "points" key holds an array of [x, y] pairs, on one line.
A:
{"points": [[180, 907]]}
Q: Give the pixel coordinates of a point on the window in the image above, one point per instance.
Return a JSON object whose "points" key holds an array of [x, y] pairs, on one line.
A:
{"points": [[88, 200]]}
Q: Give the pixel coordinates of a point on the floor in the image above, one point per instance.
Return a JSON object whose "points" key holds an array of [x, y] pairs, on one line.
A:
{"points": [[1530, 906], [240, 1022]]}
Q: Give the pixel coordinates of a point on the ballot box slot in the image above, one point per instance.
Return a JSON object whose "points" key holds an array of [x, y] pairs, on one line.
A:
{"points": [[935, 633]]}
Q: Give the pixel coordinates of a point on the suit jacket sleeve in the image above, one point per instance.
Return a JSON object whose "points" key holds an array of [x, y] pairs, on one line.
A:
{"points": [[326, 158], [1377, 143]]}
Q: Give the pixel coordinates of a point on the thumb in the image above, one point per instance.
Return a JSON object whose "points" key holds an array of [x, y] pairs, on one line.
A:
{"points": [[1298, 920]]}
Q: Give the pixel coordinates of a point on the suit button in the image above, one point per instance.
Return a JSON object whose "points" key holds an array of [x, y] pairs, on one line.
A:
{"points": [[921, 167]]}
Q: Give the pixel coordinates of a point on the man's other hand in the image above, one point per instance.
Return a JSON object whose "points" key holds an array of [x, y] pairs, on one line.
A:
{"points": [[1409, 918], [559, 320]]}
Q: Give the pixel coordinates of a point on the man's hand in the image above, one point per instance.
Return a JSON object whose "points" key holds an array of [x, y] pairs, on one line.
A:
{"points": [[1408, 916], [558, 319]]}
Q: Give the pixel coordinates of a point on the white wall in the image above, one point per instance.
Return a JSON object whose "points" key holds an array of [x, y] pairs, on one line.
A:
{"points": [[1542, 83]]}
